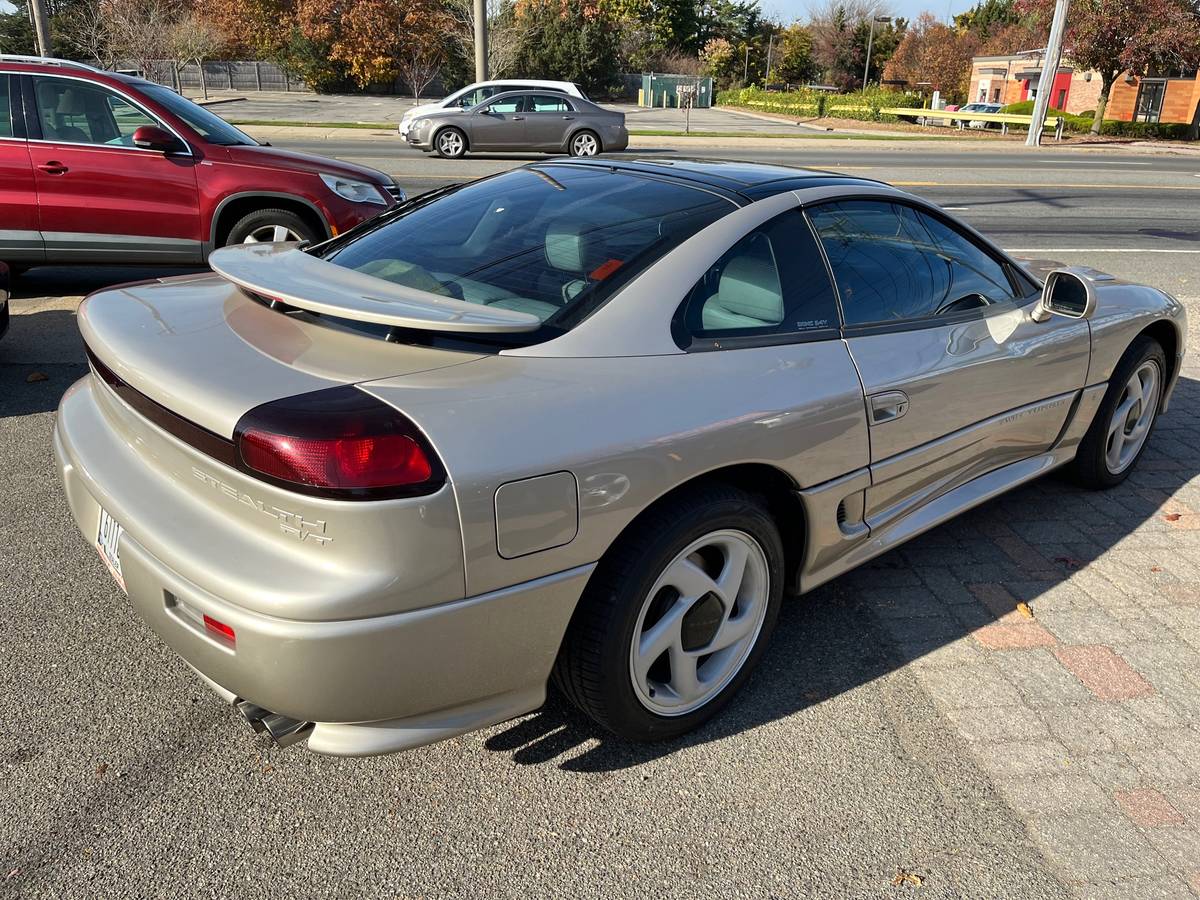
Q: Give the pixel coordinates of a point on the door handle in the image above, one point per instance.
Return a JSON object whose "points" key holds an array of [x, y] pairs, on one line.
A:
{"points": [[569, 118], [53, 167], [518, 118], [888, 406]]}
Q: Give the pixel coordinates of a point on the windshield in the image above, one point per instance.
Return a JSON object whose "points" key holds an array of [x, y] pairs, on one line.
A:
{"points": [[209, 126], [554, 240]]}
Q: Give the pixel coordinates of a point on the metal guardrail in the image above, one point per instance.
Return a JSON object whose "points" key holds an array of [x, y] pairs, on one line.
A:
{"points": [[952, 116]]}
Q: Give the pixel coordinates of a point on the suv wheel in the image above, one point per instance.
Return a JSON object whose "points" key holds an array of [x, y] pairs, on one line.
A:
{"points": [[266, 226]]}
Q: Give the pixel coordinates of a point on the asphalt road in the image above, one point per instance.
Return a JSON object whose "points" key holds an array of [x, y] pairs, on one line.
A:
{"points": [[831, 776]]}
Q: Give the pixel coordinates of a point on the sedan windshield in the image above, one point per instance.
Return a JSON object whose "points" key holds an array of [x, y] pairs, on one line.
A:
{"points": [[209, 126], [552, 240]]}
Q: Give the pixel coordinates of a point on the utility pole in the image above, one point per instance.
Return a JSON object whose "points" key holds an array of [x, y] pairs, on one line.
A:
{"points": [[870, 43], [41, 27], [481, 40], [1049, 72], [770, 47], [746, 66]]}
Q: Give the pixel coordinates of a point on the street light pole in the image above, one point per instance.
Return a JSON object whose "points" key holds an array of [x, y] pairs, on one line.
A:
{"points": [[770, 46], [1041, 103], [481, 40], [870, 43]]}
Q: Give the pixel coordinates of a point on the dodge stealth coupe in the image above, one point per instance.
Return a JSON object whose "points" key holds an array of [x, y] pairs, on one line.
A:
{"points": [[586, 421]]}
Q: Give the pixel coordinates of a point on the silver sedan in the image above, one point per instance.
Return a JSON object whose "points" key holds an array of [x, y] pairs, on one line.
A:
{"points": [[521, 121], [584, 422]]}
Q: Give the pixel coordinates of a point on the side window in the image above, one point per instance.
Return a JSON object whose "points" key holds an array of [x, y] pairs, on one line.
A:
{"points": [[543, 103], [772, 282], [6, 129], [506, 106], [890, 267], [79, 113]]}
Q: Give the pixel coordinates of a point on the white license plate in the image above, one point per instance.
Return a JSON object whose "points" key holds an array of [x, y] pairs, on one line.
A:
{"points": [[108, 542]]}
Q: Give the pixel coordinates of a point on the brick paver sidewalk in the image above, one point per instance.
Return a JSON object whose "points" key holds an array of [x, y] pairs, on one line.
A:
{"points": [[1059, 631]]}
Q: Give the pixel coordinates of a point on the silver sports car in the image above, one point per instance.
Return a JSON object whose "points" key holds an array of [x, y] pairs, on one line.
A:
{"points": [[522, 120], [585, 421]]}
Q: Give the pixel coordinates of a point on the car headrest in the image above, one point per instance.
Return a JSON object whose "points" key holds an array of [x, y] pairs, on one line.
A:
{"points": [[70, 103], [571, 248], [750, 287]]}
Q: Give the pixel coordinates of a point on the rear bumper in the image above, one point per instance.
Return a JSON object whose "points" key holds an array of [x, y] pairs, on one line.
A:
{"points": [[372, 684]]}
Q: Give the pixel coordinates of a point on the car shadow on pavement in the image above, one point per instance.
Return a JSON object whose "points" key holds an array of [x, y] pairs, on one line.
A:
{"points": [[991, 579]]}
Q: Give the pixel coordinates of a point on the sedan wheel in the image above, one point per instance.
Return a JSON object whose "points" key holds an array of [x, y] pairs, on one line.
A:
{"points": [[699, 622], [585, 144], [676, 614], [451, 143]]}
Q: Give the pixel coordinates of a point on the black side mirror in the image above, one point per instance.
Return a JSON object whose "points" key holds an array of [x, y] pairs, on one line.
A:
{"points": [[151, 137]]}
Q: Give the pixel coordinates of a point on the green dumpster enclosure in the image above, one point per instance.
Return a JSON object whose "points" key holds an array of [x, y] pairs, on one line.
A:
{"points": [[662, 91]]}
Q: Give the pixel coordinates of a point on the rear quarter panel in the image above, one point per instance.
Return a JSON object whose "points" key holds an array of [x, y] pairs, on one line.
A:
{"points": [[629, 430]]}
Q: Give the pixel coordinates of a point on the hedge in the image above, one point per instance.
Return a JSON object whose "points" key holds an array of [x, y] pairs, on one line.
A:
{"points": [[809, 104], [1082, 124]]}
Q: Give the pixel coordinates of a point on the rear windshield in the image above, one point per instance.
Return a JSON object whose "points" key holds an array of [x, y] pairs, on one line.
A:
{"points": [[555, 241]]}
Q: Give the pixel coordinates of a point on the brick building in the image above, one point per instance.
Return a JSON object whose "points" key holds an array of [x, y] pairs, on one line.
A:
{"points": [[1011, 79]]}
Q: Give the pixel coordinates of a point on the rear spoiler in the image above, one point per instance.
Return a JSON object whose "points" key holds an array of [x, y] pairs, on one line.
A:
{"points": [[284, 272]]}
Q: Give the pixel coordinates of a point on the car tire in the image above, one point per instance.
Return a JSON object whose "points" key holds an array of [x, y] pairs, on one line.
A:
{"points": [[1125, 419], [268, 225], [584, 143], [636, 690], [450, 143]]}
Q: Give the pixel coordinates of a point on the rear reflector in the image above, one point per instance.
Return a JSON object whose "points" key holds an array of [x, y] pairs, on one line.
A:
{"points": [[219, 628], [341, 443]]}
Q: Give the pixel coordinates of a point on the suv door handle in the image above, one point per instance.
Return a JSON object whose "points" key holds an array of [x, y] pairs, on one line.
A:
{"points": [[568, 118], [888, 406], [54, 167], [518, 118]]}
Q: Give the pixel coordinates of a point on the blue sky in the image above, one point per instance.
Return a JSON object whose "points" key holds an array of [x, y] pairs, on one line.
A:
{"points": [[789, 10]]}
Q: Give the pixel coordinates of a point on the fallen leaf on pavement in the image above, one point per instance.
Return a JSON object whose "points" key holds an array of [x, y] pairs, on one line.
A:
{"points": [[1173, 517], [1024, 609], [102, 768], [14, 873], [1068, 561], [36, 376], [906, 878]]}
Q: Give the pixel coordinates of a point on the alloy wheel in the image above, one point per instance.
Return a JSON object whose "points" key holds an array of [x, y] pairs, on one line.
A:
{"points": [[699, 622], [585, 145], [450, 143], [1132, 419], [271, 234]]}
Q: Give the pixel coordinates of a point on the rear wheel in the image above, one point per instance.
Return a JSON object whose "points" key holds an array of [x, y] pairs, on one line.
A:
{"points": [[585, 143], [450, 143], [266, 226], [1123, 423], [676, 615]]}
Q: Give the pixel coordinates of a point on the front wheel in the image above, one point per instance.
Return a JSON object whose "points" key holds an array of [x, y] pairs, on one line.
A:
{"points": [[1118, 434], [266, 226], [585, 143], [676, 615], [450, 143]]}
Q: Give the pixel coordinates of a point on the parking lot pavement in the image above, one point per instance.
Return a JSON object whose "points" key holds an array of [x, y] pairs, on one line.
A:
{"points": [[1008, 706]]}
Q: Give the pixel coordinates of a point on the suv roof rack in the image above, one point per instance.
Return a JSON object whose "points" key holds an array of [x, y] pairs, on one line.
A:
{"points": [[46, 61]]}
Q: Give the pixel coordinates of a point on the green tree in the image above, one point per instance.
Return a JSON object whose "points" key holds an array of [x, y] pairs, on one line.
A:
{"points": [[571, 41], [16, 31], [794, 61]]}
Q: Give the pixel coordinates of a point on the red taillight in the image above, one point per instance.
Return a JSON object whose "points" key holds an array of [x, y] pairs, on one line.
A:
{"points": [[341, 443], [219, 628], [358, 462]]}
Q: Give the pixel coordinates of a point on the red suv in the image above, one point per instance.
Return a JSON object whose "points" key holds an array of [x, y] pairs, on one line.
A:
{"points": [[97, 167]]}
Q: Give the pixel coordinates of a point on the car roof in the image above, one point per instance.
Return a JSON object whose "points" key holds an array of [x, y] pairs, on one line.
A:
{"points": [[754, 181], [531, 82]]}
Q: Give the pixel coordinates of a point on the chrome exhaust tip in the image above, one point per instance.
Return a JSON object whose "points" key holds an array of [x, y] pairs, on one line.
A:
{"points": [[282, 730]]}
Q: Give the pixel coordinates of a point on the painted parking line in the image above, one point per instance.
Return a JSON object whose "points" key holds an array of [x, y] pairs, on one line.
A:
{"points": [[1096, 250]]}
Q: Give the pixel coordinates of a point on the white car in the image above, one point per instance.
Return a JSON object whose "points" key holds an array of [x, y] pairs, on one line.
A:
{"points": [[980, 108], [474, 94]]}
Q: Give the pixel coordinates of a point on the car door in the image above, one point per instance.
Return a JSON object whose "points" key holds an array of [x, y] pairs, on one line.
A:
{"points": [[547, 118], [100, 198], [958, 378], [499, 125], [20, 240]]}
